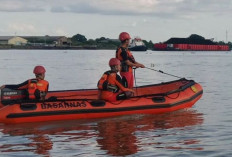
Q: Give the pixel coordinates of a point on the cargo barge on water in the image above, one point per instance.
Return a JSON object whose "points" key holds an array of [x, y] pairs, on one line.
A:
{"points": [[192, 43]]}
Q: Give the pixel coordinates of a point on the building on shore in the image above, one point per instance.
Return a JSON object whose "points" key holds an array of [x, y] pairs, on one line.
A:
{"points": [[35, 40], [48, 40], [12, 40]]}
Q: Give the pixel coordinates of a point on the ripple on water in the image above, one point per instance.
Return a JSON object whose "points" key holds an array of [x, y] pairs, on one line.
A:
{"points": [[204, 130]]}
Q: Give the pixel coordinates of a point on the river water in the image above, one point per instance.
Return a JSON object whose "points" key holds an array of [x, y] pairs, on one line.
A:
{"points": [[203, 130]]}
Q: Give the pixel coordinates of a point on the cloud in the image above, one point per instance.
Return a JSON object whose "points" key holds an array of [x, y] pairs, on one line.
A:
{"points": [[21, 6], [21, 28], [60, 31], [158, 8]]}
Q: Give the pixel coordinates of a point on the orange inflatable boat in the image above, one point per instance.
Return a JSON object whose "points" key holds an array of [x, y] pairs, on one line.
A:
{"points": [[83, 104]]}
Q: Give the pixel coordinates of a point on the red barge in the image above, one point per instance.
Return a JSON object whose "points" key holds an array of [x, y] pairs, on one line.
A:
{"points": [[193, 43]]}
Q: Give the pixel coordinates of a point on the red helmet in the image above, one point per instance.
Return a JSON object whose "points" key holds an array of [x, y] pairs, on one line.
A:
{"points": [[39, 70], [124, 36], [114, 61]]}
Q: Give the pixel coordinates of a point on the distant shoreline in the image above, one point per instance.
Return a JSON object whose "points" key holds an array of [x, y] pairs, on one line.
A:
{"points": [[51, 48], [89, 47]]}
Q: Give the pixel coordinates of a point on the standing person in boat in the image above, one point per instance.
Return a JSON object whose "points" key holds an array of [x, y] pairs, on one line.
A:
{"points": [[37, 87], [111, 86], [127, 59]]}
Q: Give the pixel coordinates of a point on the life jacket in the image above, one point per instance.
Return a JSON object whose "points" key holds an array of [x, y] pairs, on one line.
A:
{"points": [[125, 67], [106, 84], [35, 87]]}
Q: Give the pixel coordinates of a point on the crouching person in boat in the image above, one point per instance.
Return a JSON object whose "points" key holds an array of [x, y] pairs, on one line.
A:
{"points": [[111, 86], [36, 88]]}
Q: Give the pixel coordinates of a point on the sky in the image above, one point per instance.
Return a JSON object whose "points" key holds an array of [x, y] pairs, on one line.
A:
{"points": [[155, 20]]}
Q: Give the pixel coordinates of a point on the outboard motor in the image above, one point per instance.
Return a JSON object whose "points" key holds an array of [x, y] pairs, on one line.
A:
{"points": [[9, 96]]}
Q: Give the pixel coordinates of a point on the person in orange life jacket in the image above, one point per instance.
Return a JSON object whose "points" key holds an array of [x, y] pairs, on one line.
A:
{"points": [[111, 86], [37, 88], [127, 59]]}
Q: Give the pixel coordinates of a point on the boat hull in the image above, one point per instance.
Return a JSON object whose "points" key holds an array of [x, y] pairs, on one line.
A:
{"points": [[189, 47], [138, 48], [166, 97]]}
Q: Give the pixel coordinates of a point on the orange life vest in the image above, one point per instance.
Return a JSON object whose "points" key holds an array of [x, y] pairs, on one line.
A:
{"points": [[35, 87], [125, 67], [108, 84]]}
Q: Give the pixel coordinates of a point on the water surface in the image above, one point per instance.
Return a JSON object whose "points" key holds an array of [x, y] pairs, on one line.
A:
{"points": [[204, 130]]}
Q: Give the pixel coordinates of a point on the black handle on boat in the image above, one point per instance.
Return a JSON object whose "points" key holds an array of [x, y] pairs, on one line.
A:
{"points": [[163, 72]]}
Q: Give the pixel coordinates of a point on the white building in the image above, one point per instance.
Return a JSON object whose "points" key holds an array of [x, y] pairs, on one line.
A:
{"points": [[12, 40]]}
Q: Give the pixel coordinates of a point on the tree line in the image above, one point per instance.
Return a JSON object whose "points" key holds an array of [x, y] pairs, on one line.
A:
{"points": [[106, 43], [102, 42]]}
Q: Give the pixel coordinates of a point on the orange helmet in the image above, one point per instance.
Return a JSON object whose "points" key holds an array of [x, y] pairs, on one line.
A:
{"points": [[39, 70], [124, 36], [114, 61]]}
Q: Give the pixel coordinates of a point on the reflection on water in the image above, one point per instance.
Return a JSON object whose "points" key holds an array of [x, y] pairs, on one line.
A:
{"points": [[117, 136], [180, 133]]}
